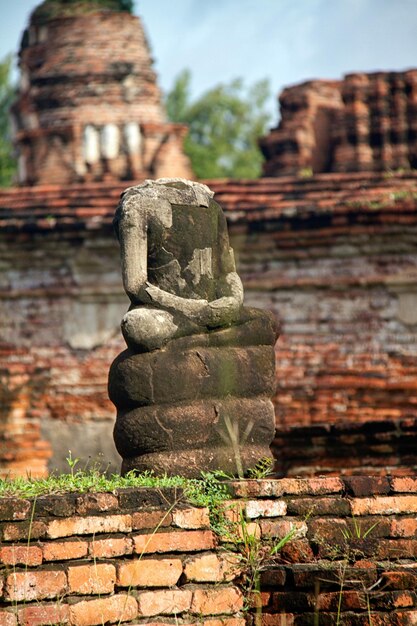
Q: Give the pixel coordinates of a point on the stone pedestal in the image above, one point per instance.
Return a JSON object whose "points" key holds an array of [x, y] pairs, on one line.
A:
{"points": [[200, 403]]}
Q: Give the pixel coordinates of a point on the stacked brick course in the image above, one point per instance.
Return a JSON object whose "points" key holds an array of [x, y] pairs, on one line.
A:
{"points": [[143, 556], [365, 122]]}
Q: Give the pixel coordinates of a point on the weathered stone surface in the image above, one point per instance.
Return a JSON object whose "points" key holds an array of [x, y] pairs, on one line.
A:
{"points": [[192, 391], [140, 379], [190, 425]]}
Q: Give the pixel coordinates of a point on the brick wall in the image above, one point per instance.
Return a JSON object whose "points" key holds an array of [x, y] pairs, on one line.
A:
{"points": [[140, 556], [333, 256]]}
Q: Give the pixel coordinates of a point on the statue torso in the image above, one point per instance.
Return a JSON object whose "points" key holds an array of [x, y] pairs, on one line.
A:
{"points": [[184, 259]]}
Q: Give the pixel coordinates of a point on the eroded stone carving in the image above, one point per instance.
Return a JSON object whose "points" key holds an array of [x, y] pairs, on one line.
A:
{"points": [[193, 389]]}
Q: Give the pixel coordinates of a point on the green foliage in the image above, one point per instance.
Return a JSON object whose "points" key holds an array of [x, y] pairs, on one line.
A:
{"points": [[206, 491], [7, 162], [357, 532], [224, 126], [264, 468], [54, 8]]}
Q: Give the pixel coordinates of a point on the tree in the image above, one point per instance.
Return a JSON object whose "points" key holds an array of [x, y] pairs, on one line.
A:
{"points": [[225, 124], [7, 93]]}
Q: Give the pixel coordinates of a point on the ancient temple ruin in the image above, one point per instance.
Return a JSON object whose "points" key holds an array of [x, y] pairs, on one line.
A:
{"points": [[329, 249], [363, 123], [89, 107]]}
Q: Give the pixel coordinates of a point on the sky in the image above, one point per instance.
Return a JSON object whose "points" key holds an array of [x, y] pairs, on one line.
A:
{"points": [[286, 41]]}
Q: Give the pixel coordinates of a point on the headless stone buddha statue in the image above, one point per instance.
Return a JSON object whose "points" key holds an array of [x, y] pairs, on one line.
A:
{"points": [[192, 390]]}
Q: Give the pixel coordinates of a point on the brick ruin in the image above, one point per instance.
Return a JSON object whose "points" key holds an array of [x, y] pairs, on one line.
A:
{"points": [[147, 556], [333, 254], [89, 107], [363, 123]]}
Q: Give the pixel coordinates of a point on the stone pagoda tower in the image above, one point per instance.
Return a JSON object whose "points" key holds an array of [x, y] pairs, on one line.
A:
{"points": [[89, 107]]}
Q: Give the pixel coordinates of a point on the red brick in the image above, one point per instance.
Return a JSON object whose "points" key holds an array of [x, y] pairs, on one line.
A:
{"points": [[291, 486], [184, 541], [334, 506], [224, 621], [350, 600], [212, 568], [258, 599], [256, 488], [327, 530], [64, 550], [142, 520], [233, 510], [403, 599], [384, 505], [14, 509], [35, 585], [24, 530], [274, 577], [240, 531], [96, 503], [328, 574], [216, 601], [114, 609], [149, 573], [405, 527], [297, 551], [165, 602], [280, 528], [366, 485], [292, 601], [96, 578], [89, 525], [110, 547], [283, 619], [396, 549], [313, 486], [21, 555], [399, 580], [7, 618], [221, 621], [407, 618], [265, 508], [404, 485], [191, 518], [44, 614]]}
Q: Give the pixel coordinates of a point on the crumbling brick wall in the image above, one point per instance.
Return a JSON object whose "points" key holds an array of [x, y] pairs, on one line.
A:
{"points": [[140, 555], [334, 256], [362, 123]]}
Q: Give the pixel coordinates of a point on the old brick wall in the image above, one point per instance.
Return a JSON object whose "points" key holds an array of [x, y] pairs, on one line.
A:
{"points": [[140, 555], [62, 302], [336, 259], [334, 256]]}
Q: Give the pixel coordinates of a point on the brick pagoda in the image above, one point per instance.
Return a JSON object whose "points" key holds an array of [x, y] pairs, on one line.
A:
{"points": [[89, 107]]}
